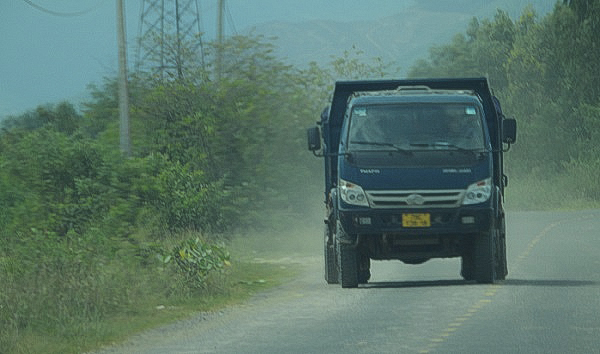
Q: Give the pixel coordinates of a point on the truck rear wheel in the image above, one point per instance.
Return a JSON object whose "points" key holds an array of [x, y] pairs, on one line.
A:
{"points": [[331, 271], [485, 256]]}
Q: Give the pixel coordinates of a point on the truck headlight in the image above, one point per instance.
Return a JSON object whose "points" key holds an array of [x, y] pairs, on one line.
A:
{"points": [[352, 193], [478, 192]]}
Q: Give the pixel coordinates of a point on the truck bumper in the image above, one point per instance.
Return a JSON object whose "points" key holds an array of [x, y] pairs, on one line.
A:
{"points": [[381, 232]]}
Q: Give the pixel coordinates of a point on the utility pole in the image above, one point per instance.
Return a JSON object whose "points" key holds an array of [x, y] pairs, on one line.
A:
{"points": [[220, 24], [179, 56], [124, 140]]}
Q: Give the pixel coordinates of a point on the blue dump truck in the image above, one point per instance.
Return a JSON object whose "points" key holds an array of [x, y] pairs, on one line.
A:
{"points": [[414, 170]]}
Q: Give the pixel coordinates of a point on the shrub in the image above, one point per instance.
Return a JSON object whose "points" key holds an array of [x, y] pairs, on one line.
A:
{"points": [[195, 260]]}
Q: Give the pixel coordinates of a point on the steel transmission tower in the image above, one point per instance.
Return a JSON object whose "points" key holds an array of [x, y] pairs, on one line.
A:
{"points": [[169, 37]]}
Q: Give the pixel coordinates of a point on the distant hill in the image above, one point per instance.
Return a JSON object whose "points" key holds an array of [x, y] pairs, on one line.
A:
{"points": [[400, 38]]}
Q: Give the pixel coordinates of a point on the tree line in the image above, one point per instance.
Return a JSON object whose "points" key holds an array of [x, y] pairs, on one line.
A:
{"points": [[547, 74]]}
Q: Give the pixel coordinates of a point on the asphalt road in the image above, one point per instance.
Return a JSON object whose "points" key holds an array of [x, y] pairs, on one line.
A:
{"points": [[550, 303]]}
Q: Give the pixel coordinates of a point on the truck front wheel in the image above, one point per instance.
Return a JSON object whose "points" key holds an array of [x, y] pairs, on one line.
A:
{"points": [[501, 264], [485, 257], [331, 271], [467, 269], [347, 257], [364, 268]]}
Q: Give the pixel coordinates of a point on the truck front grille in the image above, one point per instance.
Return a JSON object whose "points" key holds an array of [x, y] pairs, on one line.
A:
{"points": [[446, 198]]}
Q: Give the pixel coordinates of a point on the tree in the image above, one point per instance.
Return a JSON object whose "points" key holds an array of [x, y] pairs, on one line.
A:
{"points": [[62, 117], [546, 73], [482, 51]]}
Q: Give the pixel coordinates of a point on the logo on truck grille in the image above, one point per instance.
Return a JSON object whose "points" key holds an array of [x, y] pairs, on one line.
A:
{"points": [[415, 199]]}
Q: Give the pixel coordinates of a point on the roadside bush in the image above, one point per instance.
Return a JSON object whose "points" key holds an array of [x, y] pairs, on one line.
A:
{"points": [[187, 200], [61, 286], [194, 260]]}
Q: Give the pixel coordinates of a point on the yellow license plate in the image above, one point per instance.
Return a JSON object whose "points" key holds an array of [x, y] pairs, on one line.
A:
{"points": [[416, 220]]}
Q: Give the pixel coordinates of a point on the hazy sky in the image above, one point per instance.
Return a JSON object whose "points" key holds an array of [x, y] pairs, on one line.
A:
{"points": [[46, 58]]}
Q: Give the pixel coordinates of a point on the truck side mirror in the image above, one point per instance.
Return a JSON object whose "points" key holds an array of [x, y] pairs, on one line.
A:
{"points": [[314, 139], [509, 131]]}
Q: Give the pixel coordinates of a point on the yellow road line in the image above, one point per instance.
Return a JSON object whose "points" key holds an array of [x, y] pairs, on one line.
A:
{"points": [[488, 294]]}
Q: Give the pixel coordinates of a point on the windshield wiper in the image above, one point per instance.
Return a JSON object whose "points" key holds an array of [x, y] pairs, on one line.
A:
{"points": [[442, 145], [375, 143]]}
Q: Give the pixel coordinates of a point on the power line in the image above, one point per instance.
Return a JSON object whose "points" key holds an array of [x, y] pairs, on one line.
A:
{"points": [[60, 14]]}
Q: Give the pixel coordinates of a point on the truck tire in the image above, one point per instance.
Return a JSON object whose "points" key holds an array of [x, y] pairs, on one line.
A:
{"points": [[331, 271], [467, 266], [485, 256], [347, 260], [348, 265], [501, 266], [364, 268]]}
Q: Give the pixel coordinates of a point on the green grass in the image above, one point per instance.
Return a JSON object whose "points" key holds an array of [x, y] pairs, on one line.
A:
{"points": [[559, 192], [242, 281], [57, 300]]}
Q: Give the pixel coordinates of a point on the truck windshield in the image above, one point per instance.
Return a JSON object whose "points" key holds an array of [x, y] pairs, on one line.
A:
{"points": [[427, 126]]}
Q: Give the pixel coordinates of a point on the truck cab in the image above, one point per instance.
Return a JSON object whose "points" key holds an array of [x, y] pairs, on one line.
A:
{"points": [[413, 171]]}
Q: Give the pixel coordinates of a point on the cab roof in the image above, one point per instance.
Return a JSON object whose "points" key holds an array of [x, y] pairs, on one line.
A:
{"points": [[428, 98], [415, 94]]}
